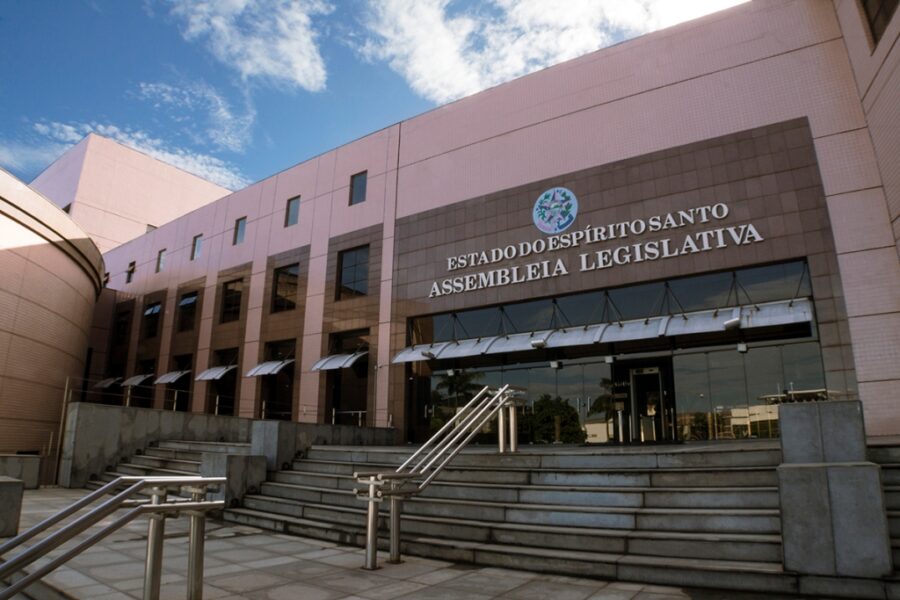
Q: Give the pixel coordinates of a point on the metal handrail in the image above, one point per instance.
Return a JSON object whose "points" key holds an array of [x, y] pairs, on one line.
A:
{"points": [[445, 445], [158, 508]]}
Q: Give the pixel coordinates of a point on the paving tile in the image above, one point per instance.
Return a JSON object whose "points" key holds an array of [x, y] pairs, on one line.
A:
{"points": [[351, 581], [479, 582], [178, 591], [68, 578], [118, 572], [297, 591], [249, 581], [614, 594], [436, 577], [540, 589], [392, 590], [438, 592], [409, 569]]}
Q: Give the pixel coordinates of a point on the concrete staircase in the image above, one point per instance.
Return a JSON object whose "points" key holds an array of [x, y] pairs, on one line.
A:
{"points": [[698, 516], [888, 456], [171, 458]]}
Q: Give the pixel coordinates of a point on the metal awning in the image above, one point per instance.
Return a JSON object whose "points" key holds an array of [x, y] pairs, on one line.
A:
{"points": [[214, 373], [152, 309], [338, 361], [270, 367], [136, 380], [105, 383], [188, 299], [462, 348], [784, 312], [171, 376], [419, 352]]}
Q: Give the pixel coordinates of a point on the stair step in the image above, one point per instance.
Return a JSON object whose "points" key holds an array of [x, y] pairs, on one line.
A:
{"points": [[714, 477], [188, 466], [674, 497], [200, 446], [756, 576], [173, 453]]}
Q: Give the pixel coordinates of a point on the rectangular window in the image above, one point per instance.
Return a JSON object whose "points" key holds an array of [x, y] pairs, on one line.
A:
{"points": [[121, 328], [284, 288], [129, 274], [187, 311], [151, 320], [353, 273], [240, 227], [231, 300], [292, 211], [358, 188], [105, 279], [160, 260], [196, 245], [878, 15]]}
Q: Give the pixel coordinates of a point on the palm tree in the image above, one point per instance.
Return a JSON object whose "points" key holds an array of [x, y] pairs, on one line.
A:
{"points": [[460, 385]]}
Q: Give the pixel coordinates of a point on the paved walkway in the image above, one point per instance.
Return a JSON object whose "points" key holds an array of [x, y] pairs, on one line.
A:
{"points": [[245, 562]]}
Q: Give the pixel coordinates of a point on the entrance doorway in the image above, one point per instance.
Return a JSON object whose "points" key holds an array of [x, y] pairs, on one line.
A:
{"points": [[645, 402]]}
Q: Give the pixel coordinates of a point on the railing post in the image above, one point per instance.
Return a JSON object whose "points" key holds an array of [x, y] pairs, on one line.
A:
{"points": [[501, 430], [372, 526], [513, 429], [196, 547], [396, 509], [155, 533]]}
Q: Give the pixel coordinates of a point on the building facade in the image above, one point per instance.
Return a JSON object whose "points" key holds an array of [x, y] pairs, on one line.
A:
{"points": [[659, 241]]}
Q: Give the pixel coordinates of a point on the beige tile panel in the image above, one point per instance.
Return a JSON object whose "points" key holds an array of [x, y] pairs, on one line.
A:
{"points": [[876, 347], [881, 401], [847, 161], [860, 220], [871, 281]]}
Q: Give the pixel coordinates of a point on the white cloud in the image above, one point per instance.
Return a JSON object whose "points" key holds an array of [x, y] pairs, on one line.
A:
{"points": [[445, 55], [203, 165], [224, 128], [29, 157], [270, 40]]}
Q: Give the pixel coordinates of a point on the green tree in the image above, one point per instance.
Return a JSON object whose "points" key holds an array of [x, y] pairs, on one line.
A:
{"points": [[546, 409], [459, 387]]}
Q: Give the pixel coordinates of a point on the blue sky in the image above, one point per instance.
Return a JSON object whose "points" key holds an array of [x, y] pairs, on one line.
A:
{"points": [[236, 90]]}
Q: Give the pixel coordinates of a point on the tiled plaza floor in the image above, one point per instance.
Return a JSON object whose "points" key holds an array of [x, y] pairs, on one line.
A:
{"points": [[245, 562]]}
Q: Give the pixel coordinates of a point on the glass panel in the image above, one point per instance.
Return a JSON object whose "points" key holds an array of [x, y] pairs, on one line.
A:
{"points": [[358, 188], [529, 316], [293, 211], [600, 418], [478, 323], [803, 368], [764, 385], [638, 301], [728, 393], [774, 282], [582, 309], [692, 400], [701, 291]]}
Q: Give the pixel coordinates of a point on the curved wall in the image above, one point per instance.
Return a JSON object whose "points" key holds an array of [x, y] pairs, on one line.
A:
{"points": [[50, 275]]}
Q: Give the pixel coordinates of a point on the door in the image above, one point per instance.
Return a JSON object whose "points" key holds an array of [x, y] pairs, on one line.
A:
{"points": [[647, 405]]}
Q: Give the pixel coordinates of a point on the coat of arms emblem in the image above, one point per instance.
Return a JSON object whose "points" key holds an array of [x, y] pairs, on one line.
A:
{"points": [[555, 210]]}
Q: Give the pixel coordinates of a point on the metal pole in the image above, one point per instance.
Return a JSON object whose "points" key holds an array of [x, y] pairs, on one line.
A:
{"points": [[155, 532], [513, 429], [175, 402], [333, 416], [195, 551], [396, 509], [621, 429], [372, 529], [128, 396], [217, 405], [501, 430]]}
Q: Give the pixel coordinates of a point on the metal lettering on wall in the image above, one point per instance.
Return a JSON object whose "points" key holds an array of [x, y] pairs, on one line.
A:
{"points": [[701, 241]]}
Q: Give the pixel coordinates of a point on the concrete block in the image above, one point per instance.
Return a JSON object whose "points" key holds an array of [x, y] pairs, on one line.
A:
{"points": [[819, 432], [22, 466], [806, 532], [245, 474], [861, 537], [279, 442], [11, 491]]}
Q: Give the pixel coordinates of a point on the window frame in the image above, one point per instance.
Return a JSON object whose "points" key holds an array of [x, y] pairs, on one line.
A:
{"points": [[152, 312], [281, 303], [227, 308], [292, 202], [183, 311], [129, 272], [342, 291], [354, 179], [240, 231], [196, 246], [160, 260]]}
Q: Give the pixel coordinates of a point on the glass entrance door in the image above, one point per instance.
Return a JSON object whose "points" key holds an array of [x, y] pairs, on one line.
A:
{"points": [[647, 405]]}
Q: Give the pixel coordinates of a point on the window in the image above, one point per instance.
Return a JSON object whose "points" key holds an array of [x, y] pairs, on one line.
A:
{"points": [[129, 274], [121, 328], [353, 273], [196, 245], [358, 188], [292, 211], [187, 311], [160, 260], [231, 300], [284, 288], [151, 320], [240, 227], [878, 15], [105, 279]]}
